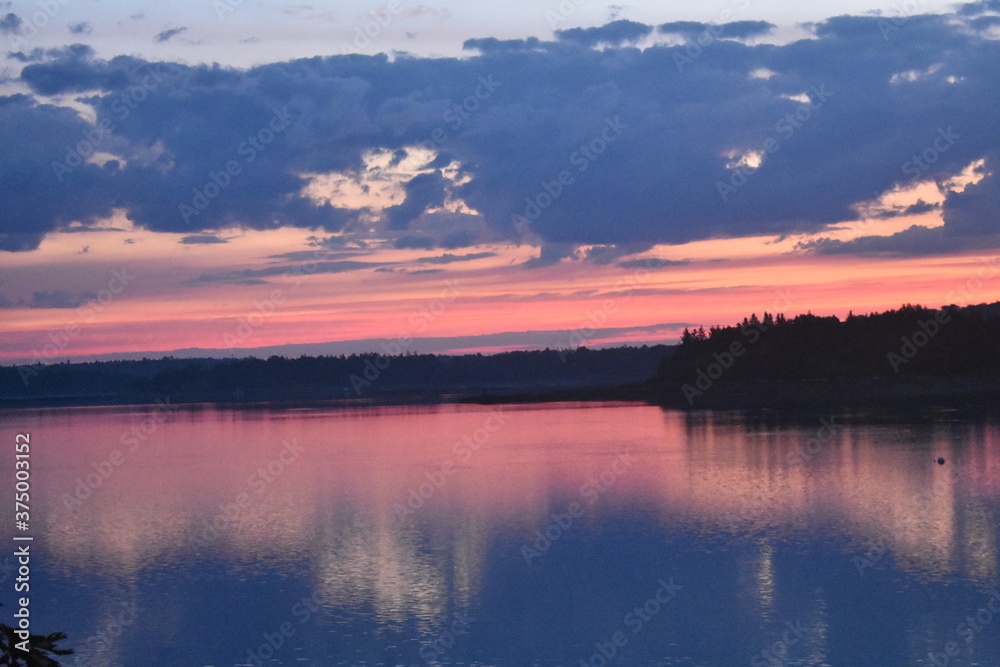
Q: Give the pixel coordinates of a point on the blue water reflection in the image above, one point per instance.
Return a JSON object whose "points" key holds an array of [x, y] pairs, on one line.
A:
{"points": [[536, 535]]}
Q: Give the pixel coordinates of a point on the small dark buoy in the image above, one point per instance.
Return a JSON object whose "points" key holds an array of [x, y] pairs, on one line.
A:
{"points": [[940, 460]]}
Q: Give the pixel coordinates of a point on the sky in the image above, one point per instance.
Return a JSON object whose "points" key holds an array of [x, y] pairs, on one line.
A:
{"points": [[234, 177]]}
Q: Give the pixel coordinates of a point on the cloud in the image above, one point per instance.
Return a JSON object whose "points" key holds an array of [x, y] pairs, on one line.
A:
{"points": [[258, 276], [60, 299], [422, 192], [313, 255], [224, 279], [66, 65], [746, 29], [732, 30], [976, 8], [81, 28], [202, 239], [81, 229], [11, 23], [913, 241], [553, 253], [652, 263], [415, 242], [985, 22], [166, 35], [686, 28], [462, 238], [608, 254], [602, 147], [448, 258], [614, 33], [450, 230], [494, 45], [913, 209], [974, 211], [73, 53], [35, 136]]}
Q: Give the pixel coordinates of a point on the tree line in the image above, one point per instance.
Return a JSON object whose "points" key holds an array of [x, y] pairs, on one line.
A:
{"points": [[908, 341]]}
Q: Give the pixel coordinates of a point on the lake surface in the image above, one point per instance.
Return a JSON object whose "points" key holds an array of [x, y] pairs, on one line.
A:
{"points": [[559, 534]]}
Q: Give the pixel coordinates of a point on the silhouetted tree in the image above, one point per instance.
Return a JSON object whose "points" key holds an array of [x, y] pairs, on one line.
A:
{"points": [[40, 646], [911, 340]]}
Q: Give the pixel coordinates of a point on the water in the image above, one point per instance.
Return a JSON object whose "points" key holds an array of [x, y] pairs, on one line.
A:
{"points": [[522, 535]]}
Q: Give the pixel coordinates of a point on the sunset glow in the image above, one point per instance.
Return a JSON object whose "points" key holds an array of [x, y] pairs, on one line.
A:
{"points": [[456, 219]]}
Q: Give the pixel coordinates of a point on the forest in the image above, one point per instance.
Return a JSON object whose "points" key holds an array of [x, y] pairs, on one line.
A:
{"points": [[912, 353], [357, 377]]}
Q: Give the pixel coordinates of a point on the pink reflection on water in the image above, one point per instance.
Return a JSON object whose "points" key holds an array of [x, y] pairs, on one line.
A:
{"points": [[364, 491]]}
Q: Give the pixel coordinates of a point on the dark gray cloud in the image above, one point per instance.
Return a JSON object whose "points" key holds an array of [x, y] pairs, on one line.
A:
{"points": [[32, 204], [607, 147], [652, 263], [75, 52], [985, 22], [916, 240], [614, 33], [914, 209], [167, 35], [314, 255], [973, 212], [448, 258], [732, 30], [10, 23], [67, 68], [415, 242], [494, 45], [422, 192], [746, 29], [920, 207], [463, 238], [81, 28], [553, 253], [49, 299], [400, 154], [975, 8], [90, 230], [608, 254], [202, 239], [291, 273], [60, 299], [687, 28]]}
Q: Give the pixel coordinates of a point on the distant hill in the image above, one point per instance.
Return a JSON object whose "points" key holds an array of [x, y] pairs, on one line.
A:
{"points": [[406, 378], [912, 355]]}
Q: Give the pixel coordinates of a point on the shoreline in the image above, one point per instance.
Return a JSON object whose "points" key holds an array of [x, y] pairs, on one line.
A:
{"points": [[813, 396]]}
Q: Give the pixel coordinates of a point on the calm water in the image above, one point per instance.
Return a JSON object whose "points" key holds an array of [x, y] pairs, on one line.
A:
{"points": [[536, 535]]}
